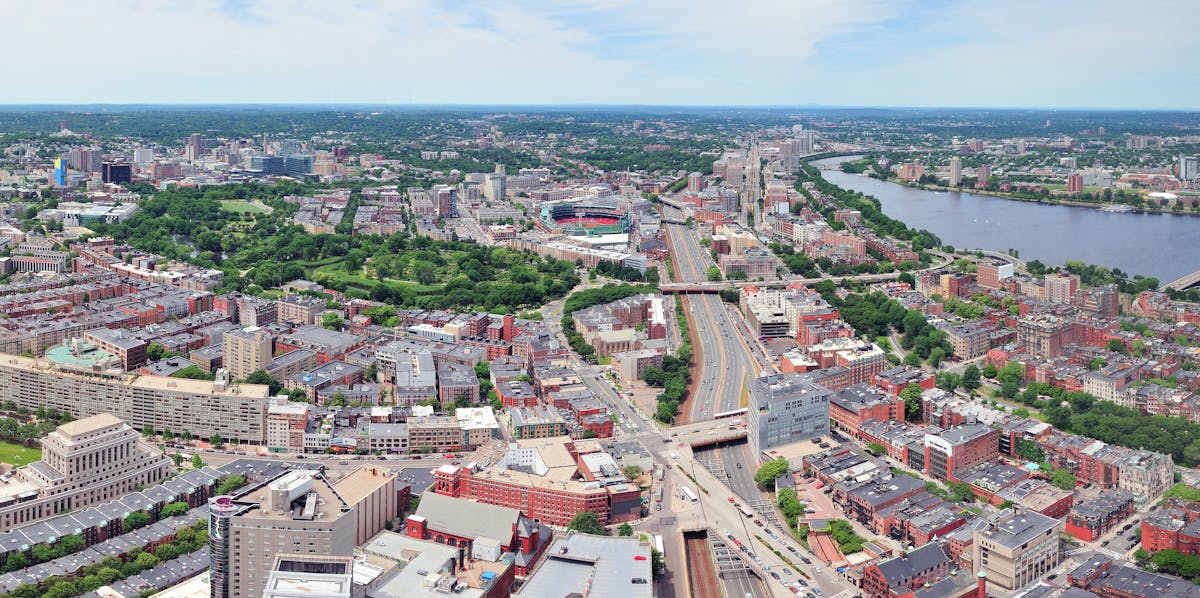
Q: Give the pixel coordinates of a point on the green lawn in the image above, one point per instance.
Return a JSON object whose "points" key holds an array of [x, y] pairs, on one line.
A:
{"points": [[9, 453], [237, 205]]}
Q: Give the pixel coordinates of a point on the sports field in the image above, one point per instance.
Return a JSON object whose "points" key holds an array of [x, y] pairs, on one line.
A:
{"points": [[240, 206]]}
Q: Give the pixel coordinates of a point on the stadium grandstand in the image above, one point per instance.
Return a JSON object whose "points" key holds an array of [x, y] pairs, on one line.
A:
{"points": [[585, 217]]}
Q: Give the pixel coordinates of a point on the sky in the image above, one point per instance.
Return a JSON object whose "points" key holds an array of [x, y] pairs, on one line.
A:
{"points": [[933, 53]]}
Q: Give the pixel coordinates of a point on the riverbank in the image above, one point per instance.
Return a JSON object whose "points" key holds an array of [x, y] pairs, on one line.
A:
{"points": [[1150, 244], [1050, 201]]}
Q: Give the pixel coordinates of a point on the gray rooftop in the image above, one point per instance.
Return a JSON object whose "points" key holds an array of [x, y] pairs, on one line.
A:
{"points": [[467, 518], [594, 566]]}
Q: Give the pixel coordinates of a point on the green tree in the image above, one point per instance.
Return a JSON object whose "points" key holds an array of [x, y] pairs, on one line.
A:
{"points": [[588, 523], [989, 371], [714, 274], [876, 449], [69, 544], [62, 589], [147, 430], [970, 377], [765, 476], [174, 509], [155, 351], [216, 440], [177, 458], [197, 462], [912, 401], [961, 491], [136, 520], [332, 321], [230, 483], [1063, 479], [625, 530], [658, 562], [936, 355], [262, 377]]}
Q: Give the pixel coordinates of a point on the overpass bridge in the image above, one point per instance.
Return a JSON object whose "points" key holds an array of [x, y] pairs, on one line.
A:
{"points": [[716, 287], [1184, 282]]}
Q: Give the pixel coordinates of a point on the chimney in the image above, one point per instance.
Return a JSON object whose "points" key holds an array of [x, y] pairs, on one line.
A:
{"points": [[981, 590]]}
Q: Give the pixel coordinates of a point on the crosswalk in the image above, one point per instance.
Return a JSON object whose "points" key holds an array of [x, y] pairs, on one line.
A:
{"points": [[846, 594]]}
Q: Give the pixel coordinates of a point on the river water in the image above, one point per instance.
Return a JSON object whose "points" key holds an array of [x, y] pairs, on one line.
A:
{"points": [[1165, 246]]}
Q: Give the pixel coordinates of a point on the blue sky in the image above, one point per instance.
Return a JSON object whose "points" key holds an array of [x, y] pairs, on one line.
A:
{"points": [[1021, 53]]}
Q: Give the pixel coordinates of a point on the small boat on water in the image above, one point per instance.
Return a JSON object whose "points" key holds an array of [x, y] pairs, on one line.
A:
{"points": [[1117, 208]]}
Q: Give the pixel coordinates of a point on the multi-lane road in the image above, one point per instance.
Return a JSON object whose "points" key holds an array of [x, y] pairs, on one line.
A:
{"points": [[725, 365]]}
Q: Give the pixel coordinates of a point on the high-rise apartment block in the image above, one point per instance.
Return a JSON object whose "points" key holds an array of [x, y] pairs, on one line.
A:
{"points": [[1189, 168], [1075, 184], [246, 351], [955, 171]]}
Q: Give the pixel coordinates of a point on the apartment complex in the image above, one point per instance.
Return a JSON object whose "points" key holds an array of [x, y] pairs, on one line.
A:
{"points": [[235, 411], [84, 463], [949, 452], [246, 351]]}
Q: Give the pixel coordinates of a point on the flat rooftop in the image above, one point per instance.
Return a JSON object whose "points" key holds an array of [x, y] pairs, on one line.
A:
{"points": [[423, 566], [592, 566]]}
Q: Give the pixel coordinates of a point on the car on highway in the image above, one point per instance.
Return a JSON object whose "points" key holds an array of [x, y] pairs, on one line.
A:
{"points": [[758, 522], [805, 560], [775, 575], [792, 549]]}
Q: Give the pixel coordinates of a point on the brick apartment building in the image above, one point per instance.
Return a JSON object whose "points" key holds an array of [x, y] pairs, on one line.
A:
{"points": [[960, 448], [1093, 518], [850, 407]]}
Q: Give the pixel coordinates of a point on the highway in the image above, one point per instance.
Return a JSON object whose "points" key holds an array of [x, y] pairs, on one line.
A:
{"points": [[723, 360], [717, 512]]}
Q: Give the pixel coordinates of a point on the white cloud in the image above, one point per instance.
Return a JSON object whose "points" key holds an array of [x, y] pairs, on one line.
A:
{"points": [[597, 51]]}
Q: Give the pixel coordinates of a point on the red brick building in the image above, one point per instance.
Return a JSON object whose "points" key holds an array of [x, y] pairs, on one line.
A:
{"points": [[960, 448], [850, 407], [905, 573], [1175, 527], [894, 380], [1093, 518], [458, 522]]}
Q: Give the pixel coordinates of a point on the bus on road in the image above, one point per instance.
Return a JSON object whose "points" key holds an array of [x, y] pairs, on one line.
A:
{"points": [[688, 494], [745, 511]]}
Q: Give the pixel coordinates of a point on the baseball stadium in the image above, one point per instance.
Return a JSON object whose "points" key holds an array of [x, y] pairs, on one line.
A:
{"points": [[585, 218]]}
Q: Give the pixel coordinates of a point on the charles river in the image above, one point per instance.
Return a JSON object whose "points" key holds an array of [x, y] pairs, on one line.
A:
{"points": [[1164, 246]]}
